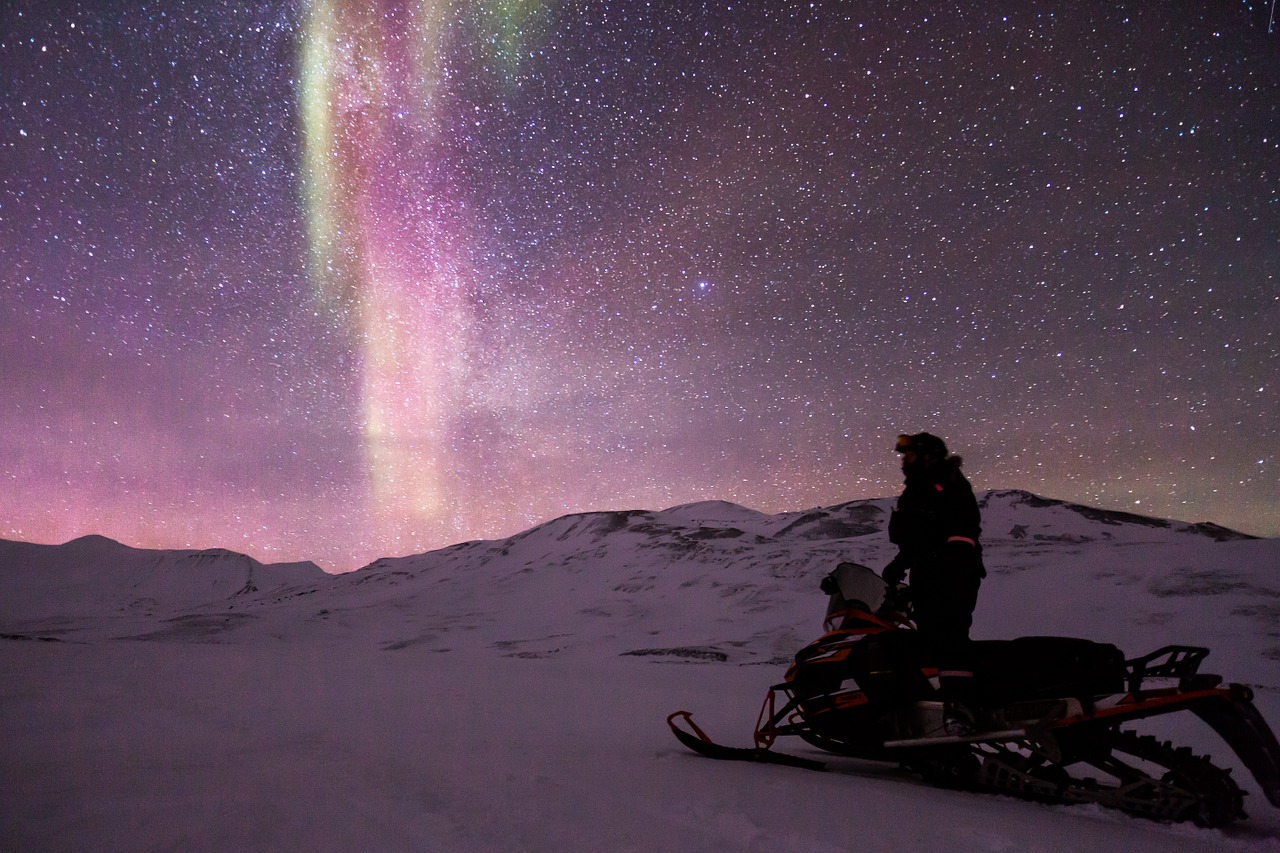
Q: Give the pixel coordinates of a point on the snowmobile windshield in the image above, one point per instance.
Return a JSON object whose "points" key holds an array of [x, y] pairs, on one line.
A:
{"points": [[857, 587]]}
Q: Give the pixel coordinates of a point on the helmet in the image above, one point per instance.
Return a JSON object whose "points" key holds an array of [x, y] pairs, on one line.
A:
{"points": [[923, 443]]}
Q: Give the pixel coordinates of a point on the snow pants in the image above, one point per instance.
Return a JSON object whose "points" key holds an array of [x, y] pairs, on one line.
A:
{"points": [[943, 599]]}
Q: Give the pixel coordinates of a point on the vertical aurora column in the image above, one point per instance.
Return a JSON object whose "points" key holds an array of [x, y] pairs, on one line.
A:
{"points": [[385, 235]]}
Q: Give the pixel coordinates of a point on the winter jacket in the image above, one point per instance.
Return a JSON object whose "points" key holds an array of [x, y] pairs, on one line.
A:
{"points": [[936, 525]]}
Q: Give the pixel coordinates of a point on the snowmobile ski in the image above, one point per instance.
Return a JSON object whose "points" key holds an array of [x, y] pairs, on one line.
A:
{"points": [[700, 743]]}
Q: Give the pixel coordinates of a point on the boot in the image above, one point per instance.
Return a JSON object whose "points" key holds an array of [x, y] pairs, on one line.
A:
{"points": [[959, 715], [958, 719]]}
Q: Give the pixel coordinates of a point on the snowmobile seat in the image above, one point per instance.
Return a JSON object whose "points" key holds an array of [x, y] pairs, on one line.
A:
{"points": [[1030, 668]]}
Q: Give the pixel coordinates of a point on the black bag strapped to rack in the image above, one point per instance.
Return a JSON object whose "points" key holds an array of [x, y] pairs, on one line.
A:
{"points": [[1046, 668]]}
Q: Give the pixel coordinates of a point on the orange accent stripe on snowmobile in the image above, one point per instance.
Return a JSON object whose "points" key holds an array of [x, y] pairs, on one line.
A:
{"points": [[1149, 705], [850, 700]]}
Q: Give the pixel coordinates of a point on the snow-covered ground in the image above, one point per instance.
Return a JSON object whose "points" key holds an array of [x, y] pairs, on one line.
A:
{"points": [[511, 695]]}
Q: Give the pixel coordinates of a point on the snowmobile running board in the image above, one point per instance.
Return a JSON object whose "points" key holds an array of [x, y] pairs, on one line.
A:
{"points": [[975, 737]]}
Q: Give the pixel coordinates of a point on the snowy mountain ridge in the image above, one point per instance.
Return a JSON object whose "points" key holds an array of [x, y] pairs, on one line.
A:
{"points": [[708, 580], [94, 575]]}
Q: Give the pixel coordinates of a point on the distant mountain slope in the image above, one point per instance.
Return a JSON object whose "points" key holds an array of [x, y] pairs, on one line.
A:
{"points": [[1054, 518], [702, 581], [55, 585]]}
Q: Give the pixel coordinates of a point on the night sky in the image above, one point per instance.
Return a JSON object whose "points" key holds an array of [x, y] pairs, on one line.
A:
{"points": [[334, 280]]}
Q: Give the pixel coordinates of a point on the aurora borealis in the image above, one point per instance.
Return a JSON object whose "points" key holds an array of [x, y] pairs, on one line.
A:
{"points": [[334, 280]]}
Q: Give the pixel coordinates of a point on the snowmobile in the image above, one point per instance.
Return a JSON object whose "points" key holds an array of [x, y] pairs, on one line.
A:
{"points": [[1052, 711]]}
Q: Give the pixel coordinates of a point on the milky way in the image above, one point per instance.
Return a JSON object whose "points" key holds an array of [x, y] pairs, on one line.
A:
{"points": [[337, 280]]}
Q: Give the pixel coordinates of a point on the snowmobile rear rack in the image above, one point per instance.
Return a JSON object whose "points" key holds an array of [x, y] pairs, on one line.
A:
{"points": [[1180, 662]]}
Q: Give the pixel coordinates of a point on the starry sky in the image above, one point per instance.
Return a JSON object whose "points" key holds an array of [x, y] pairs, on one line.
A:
{"points": [[339, 280]]}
